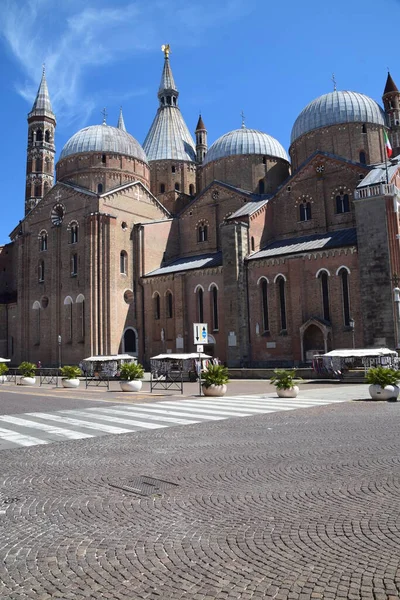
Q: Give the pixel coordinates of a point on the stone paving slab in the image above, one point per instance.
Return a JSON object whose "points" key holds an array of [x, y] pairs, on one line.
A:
{"points": [[291, 505]]}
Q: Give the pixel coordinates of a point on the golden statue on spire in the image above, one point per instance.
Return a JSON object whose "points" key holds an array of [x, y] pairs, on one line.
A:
{"points": [[166, 49]]}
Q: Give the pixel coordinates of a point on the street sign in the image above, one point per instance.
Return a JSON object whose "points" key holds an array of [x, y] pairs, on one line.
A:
{"points": [[200, 333], [200, 349]]}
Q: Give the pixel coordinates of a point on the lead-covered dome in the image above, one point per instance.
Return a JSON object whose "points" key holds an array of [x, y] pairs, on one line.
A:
{"points": [[103, 138], [245, 141], [335, 108]]}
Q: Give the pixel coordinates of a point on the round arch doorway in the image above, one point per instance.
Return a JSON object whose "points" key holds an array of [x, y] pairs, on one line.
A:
{"points": [[130, 341]]}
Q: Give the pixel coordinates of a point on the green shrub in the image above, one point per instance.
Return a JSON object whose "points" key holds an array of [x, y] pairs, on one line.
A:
{"points": [[130, 371], [3, 369], [383, 376], [284, 379], [215, 375], [27, 369], [70, 372]]}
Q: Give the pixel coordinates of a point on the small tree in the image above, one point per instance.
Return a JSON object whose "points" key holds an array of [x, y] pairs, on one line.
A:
{"points": [[27, 369], [284, 379], [215, 375], [70, 372], [3, 369], [130, 371], [383, 376]]}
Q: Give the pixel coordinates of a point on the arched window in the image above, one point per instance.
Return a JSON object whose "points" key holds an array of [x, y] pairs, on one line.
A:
{"points": [[202, 233], [68, 304], [104, 159], [99, 188], [264, 304], [74, 233], [191, 189], [47, 136], [36, 323], [261, 186], [323, 277], [39, 135], [74, 265], [252, 244], [363, 158], [130, 341], [173, 169], [282, 301], [305, 211], [214, 308], [200, 305], [47, 165], [38, 190], [39, 164], [162, 188], [123, 262], [157, 306], [41, 270], [169, 302], [342, 203], [42, 241], [177, 187], [364, 128], [80, 305], [344, 275]]}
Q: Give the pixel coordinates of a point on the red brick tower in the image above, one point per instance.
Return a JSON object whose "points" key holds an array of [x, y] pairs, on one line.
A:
{"points": [[391, 101], [41, 148]]}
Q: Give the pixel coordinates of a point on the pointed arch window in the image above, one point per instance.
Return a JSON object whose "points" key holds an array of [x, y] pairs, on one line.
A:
{"points": [[170, 305], [43, 241], [39, 135], [364, 128], [123, 262], [363, 158], [68, 304], [47, 136], [191, 189], [104, 159], [281, 283], [261, 186], [200, 304], [202, 233], [177, 187], [305, 211], [214, 308], [38, 190], [36, 322], [130, 341], [344, 276], [157, 306], [162, 188], [264, 304], [41, 270], [324, 279], [342, 203], [99, 188], [80, 304]]}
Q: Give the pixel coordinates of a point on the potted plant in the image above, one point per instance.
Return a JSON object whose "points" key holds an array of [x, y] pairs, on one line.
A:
{"points": [[69, 376], [3, 371], [383, 383], [27, 371], [285, 382], [131, 375], [215, 378]]}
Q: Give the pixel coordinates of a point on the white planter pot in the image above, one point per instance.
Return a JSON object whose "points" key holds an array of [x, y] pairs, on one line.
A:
{"points": [[387, 393], [3, 378], [214, 390], [289, 392], [135, 385], [28, 380], [70, 383]]}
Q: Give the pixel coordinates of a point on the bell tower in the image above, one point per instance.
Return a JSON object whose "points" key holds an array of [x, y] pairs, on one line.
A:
{"points": [[201, 140], [391, 102], [41, 149]]}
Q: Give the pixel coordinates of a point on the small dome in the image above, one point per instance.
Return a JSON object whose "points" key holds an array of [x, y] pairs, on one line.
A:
{"points": [[103, 138], [245, 141], [337, 107]]}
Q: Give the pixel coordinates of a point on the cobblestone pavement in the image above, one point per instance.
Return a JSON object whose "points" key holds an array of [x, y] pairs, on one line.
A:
{"points": [[290, 505]]}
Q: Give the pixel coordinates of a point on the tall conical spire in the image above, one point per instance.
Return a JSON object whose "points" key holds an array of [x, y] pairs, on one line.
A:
{"points": [[42, 102], [390, 85], [121, 123], [167, 92]]}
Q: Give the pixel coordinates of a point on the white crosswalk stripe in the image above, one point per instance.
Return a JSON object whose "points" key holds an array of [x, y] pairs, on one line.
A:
{"points": [[34, 428]]}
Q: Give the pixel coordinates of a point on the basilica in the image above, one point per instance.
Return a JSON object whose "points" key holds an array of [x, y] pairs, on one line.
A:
{"points": [[123, 246]]}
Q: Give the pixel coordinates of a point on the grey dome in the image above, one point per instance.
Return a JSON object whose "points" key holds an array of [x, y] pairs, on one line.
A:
{"points": [[337, 107], [245, 141], [103, 138]]}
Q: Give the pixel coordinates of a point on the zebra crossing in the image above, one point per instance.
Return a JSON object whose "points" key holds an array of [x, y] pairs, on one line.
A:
{"points": [[34, 428]]}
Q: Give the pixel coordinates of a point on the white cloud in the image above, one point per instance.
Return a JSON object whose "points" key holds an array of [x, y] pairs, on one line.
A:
{"points": [[71, 40]]}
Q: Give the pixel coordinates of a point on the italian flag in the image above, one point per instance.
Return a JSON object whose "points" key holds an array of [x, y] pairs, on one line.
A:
{"points": [[389, 150]]}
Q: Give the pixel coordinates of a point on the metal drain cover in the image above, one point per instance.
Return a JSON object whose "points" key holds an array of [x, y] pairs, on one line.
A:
{"points": [[144, 486]]}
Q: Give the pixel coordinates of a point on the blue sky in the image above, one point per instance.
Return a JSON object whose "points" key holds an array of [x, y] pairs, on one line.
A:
{"points": [[266, 58]]}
